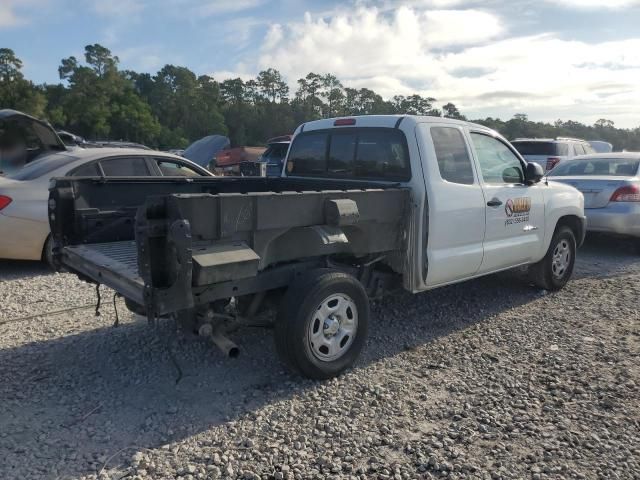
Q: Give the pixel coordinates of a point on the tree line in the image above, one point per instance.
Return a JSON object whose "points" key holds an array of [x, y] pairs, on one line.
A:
{"points": [[98, 100]]}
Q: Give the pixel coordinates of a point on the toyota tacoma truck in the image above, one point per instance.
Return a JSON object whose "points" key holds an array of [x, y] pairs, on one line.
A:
{"points": [[365, 205]]}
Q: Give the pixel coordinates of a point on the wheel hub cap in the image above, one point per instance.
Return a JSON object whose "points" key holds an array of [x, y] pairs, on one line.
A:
{"points": [[333, 327]]}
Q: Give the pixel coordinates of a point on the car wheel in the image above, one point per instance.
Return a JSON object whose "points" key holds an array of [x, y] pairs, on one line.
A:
{"points": [[322, 323], [555, 269], [47, 253]]}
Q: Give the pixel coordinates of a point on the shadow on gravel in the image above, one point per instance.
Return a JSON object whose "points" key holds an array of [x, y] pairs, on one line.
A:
{"points": [[76, 400], [79, 401], [18, 269]]}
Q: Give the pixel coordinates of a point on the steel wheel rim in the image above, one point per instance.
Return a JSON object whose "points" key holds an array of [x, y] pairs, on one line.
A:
{"points": [[561, 259], [333, 327]]}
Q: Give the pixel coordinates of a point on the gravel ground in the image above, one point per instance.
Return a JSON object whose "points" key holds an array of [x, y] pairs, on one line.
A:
{"points": [[487, 379]]}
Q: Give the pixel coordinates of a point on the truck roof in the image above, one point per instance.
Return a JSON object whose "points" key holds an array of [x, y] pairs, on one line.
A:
{"points": [[384, 121]]}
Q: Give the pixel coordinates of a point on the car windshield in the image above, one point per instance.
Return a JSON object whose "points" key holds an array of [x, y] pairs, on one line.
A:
{"points": [[41, 167], [540, 148], [625, 167]]}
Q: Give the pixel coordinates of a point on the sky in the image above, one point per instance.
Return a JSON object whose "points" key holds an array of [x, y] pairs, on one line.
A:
{"points": [[550, 59]]}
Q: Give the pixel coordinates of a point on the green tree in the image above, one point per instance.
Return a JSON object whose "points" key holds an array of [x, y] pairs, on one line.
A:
{"points": [[15, 91], [451, 111]]}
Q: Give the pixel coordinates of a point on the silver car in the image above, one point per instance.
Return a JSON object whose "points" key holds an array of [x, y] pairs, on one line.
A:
{"points": [[24, 226], [610, 183]]}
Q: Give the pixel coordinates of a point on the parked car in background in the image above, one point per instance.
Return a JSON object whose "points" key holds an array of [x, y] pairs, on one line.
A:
{"points": [[228, 161], [23, 139], [610, 183], [271, 161], [548, 152], [24, 193], [275, 154], [601, 147]]}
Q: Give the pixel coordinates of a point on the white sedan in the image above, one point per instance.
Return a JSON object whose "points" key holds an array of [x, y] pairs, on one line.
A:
{"points": [[24, 225]]}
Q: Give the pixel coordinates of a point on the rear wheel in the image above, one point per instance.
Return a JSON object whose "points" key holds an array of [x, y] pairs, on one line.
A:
{"points": [[322, 324], [555, 269], [47, 253]]}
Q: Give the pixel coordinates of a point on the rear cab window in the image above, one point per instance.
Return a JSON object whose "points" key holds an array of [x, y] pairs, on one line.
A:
{"points": [[363, 153]]}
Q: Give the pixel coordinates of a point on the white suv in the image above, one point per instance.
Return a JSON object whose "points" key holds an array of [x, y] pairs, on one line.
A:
{"points": [[548, 152]]}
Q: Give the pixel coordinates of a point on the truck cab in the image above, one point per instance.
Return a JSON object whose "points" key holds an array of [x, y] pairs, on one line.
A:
{"points": [[478, 206]]}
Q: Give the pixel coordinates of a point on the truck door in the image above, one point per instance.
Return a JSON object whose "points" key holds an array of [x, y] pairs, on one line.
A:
{"points": [[514, 210], [456, 204]]}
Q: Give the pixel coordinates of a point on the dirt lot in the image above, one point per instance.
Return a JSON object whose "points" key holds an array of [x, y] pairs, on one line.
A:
{"points": [[488, 379]]}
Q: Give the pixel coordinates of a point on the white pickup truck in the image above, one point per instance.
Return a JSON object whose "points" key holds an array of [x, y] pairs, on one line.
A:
{"points": [[365, 205]]}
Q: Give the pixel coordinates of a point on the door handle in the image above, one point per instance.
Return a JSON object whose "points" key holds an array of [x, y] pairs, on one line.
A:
{"points": [[494, 202]]}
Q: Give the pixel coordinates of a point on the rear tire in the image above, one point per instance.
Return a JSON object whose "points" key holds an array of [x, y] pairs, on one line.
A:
{"points": [[47, 253], [322, 323], [555, 269]]}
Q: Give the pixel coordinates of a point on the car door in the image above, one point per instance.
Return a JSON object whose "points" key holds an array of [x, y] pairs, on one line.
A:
{"points": [[514, 210], [456, 205]]}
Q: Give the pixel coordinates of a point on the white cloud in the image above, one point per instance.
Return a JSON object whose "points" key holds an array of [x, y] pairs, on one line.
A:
{"points": [[367, 43], [461, 56], [595, 4], [8, 12]]}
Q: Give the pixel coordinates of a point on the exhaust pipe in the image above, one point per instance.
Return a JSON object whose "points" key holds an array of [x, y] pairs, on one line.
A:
{"points": [[226, 346]]}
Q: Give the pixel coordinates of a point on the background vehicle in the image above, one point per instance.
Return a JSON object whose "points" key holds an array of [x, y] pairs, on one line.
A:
{"points": [[23, 194], [548, 152], [367, 205], [610, 183], [228, 161], [24, 138], [600, 146], [204, 151], [273, 158]]}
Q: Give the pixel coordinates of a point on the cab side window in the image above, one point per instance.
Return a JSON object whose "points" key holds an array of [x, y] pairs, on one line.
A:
{"points": [[498, 163], [452, 155]]}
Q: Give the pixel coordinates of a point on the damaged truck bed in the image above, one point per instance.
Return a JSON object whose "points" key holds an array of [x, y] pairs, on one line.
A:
{"points": [[172, 245]]}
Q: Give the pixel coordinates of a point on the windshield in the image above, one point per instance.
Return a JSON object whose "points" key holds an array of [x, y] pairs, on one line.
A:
{"points": [[41, 167], [597, 167], [540, 148]]}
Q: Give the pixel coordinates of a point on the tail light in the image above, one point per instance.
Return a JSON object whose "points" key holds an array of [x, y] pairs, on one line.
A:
{"points": [[341, 122], [4, 201], [628, 193], [552, 162]]}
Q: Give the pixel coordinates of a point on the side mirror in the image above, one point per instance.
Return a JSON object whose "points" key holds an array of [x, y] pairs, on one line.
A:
{"points": [[533, 173]]}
